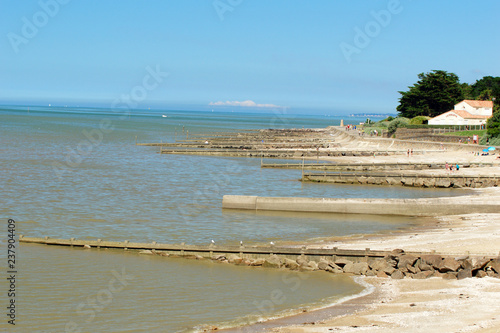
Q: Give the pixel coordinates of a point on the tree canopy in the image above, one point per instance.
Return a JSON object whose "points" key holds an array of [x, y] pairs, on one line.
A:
{"points": [[485, 89], [435, 92]]}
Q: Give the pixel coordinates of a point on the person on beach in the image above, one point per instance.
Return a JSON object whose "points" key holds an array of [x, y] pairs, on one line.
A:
{"points": [[446, 166], [457, 167]]}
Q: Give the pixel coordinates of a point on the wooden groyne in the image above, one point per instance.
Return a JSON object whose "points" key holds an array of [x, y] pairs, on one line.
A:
{"points": [[396, 264], [457, 180]]}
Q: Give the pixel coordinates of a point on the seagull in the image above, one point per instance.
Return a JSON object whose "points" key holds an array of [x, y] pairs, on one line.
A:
{"points": [[213, 242], [241, 243], [272, 243]]}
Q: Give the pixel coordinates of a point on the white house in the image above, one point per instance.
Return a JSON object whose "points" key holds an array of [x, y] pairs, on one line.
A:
{"points": [[467, 112]]}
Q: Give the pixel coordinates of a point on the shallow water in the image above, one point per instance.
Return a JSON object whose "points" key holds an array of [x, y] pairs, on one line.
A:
{"points": [[65, 174]]}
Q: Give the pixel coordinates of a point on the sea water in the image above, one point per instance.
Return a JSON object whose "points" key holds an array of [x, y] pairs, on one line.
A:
{"points": [[76, 172]]}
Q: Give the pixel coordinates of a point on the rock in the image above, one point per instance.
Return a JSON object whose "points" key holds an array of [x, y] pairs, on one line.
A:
{"points": [[422, 275], [257, 262], [342, 262], [495, 265], [370, 273], [197, 256], [382, 275], [382, 265], [466, 263], [334, 266], [397, 275], [219, 257], [406, 260], [302, 260], [313, 265], [397, 252], [450, 276], [359, 268], [290, 264], [234, 259], [433, 260], [464, 274], [448, 265], [86, 246], [479, 263], [481, 274], [146, 252], [272, 261], [413, 270], [323, 265]]}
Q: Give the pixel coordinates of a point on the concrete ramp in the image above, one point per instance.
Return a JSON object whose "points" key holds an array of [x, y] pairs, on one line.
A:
{"points": [[403, 207]]}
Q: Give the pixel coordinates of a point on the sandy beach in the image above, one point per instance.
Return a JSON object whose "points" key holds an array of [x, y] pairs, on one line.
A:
{"points": [[434, 304]]}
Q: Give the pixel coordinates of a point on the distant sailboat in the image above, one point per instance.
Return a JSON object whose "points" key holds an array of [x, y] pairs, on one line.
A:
{"points": [[164, 115]]}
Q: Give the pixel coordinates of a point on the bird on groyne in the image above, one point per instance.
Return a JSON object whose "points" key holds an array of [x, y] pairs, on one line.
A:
{"points": [[272, 243], [241, 243], [213, 242]]}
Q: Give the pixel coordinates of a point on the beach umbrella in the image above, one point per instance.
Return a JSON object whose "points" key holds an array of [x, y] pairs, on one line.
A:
{"points": [[485, 150], [491, 148]]}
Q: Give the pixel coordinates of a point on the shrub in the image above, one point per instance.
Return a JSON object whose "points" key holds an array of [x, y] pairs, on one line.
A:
{"points": [[419, 120], [398, 122]]}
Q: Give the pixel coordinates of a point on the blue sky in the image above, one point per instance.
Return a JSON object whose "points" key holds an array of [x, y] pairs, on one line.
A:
{"points": [[283, 53]]}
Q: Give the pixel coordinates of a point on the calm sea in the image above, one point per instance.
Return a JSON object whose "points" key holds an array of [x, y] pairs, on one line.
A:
{"points": [[76, 172]]}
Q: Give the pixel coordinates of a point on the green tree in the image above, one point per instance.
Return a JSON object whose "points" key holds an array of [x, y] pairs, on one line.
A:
{"points": [[486, 83], [485, 95], [435, 92], [493, 124]]}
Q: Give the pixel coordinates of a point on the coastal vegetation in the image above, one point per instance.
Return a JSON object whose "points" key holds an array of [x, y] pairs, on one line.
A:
{"points": [[438, 91]]}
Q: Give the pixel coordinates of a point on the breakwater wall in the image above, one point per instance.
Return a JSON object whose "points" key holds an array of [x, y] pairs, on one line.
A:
{"points": [[366, 166], [406, 179], [403, 207], [396, 264]]}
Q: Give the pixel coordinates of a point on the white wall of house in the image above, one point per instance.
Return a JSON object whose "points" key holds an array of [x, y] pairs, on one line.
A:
{"points": [[472, 110], [453, 119]]}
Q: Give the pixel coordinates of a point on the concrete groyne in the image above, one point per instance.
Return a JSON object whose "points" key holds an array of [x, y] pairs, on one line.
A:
{"points": [[396, 264], [406, 179], [379, 166], [404, 207]]}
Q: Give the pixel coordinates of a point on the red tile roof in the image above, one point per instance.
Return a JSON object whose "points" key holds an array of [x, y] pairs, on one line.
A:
{"points": [[478, 104]]}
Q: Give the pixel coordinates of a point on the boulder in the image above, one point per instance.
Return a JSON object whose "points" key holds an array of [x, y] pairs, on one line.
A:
{"points": [[413, 270], [234, 259], [290, 264], [464, 274], [219, 257], [397, 275], [370, 273], [272, 261], [450, 276], [86, 246], [382, 275], [494, 265], [479, 263], [422, 275], [342, 262], [359, 268], [323, 264], [146, 252], [433, 260], [448, 265], [406, 260], [481, 274], [257, 262], [302, 260]]}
